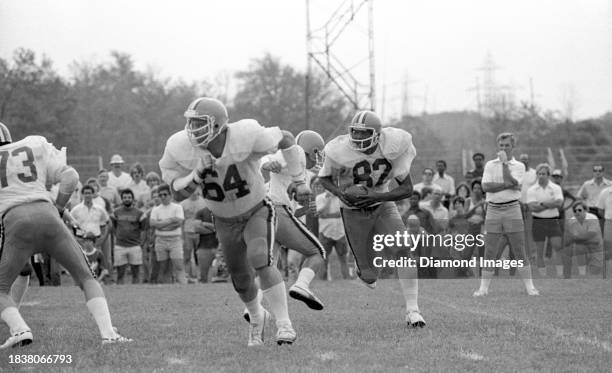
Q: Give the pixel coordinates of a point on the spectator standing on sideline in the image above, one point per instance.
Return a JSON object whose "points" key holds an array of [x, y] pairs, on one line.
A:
{"points": [[427, 182], [529, 179], [544, 199], [167, 219], [604, 205], [129, 229], [590, 190], [191, 235], [502, 182], [477, 171], [568, 201], [152, 179], [438, 211], [426, 219], [445, 181], [149, 259], [208, 243], [137, 185], [108, 192], [583, 239], [97, 199], [92, 218], [117, 178], [331, 233]]}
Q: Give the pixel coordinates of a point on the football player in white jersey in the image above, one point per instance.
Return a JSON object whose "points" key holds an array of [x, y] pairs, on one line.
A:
{"points": [[31, 224], [225, 159], [290, 231], [370, 156]]}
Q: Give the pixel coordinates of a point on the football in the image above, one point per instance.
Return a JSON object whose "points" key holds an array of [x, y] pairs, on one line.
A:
{"points": [[358, 190]]}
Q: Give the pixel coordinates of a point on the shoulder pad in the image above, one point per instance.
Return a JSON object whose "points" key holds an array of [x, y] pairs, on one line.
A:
{"points": [[339, 150], [242, 137], [179, 147], [394, 142]]}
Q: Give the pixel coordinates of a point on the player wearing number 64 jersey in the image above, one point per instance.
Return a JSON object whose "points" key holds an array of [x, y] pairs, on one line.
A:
{"points": [[225, 159], [370, 156], [31, 224]]}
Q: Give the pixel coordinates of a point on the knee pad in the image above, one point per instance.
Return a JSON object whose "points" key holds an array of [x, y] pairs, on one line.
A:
{"points": [[26, 270], [258, 253], [242, 281]]}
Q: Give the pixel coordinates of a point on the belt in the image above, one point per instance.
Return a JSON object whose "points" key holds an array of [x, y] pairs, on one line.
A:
{"points": [[503, 203]]}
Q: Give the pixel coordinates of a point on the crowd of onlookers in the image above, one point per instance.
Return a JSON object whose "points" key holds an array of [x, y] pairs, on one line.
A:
{"points": [[127, 223]]}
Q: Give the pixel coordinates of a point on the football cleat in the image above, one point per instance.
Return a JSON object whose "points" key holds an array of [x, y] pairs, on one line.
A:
{"points": [[533, 291], [480, 293], [118, 338], [414, 319], [19, 339], [256, 330], [305, 295], [370, 285], [285, 334]]}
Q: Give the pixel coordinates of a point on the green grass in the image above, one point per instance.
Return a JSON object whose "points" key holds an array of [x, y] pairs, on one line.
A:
{"points": [[199, 328]]}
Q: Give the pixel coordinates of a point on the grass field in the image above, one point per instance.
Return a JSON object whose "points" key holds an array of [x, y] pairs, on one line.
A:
{"points": [[199, 328]]}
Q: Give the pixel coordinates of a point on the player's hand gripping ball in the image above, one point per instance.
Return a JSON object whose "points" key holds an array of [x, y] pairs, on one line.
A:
{"points": [[352, 193]]}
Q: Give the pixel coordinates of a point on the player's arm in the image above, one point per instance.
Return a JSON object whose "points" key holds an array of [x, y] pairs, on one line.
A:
{"points": [[291, 153], [69, 178]]}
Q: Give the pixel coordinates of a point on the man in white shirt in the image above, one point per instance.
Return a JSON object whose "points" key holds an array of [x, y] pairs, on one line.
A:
{"points": [[591, 189], [167, 219], [445, 181], [544, 199], [604, 208], [117, 178], [428, 174], [92, 218], [502, 182]]}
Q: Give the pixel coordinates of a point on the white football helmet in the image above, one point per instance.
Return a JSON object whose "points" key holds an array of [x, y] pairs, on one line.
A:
{"points": [[313, 145], [206, 118], [5, 134], [364, 130]]}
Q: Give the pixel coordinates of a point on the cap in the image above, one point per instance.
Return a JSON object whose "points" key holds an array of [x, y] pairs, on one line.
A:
{"points": [[557, 172], [116, 159]]}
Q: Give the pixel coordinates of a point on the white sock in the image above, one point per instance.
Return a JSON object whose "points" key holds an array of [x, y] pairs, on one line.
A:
{"points": [[256, 311], [582, 270], [410, 289], [19, 288], [99, 310], [11, 316], [525, 273], [559, 270], [277, 299], [485, 280], [305, 277]]}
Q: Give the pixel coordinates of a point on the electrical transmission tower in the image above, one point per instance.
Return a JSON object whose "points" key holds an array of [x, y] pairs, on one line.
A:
{"points": [[323, 45]]}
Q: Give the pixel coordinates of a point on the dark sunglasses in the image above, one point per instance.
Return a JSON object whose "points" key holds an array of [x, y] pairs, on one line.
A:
{"points": [[598, 170], [163, 194], [578, 210]]}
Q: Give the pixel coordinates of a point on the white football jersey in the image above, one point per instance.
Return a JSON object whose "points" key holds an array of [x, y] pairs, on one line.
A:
{"points": [[348, 166], [279, 182], [26, 168], [235, 184]]}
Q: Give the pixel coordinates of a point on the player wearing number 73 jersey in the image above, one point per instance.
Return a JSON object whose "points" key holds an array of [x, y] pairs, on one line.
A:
{"points": [[31, 224], [225, 159], [370, 156]]}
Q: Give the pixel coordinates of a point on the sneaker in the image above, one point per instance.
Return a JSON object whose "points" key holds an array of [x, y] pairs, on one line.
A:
{"points": [[285, 334], [414, 319], [480, 293], [533, 291], [118, 339], [305, 295], [370, 285], [256, 331], [18, 339]]}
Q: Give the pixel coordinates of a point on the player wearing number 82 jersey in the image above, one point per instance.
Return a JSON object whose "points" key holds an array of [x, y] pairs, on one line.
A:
{"points": [[225, 159], [371, 156]]}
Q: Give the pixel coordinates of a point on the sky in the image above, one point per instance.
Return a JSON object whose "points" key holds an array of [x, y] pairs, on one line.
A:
{"points": [[428, 54]]}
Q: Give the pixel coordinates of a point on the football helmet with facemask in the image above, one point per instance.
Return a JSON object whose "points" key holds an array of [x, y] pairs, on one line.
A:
{"points": [[5, 134], [313, 145], [364, 130], [206, 118]]}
